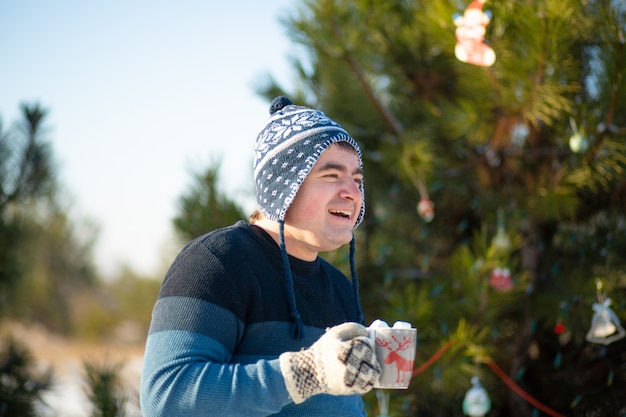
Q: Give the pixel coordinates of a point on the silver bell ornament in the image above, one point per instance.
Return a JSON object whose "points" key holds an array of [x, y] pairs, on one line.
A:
{"points": [[476, 402], [605, 325]]}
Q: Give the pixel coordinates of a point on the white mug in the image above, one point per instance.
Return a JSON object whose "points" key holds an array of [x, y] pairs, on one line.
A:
{"points": [[395, 350]]}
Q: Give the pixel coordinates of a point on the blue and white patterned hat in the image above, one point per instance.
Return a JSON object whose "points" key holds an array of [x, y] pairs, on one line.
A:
{"points": [[286, 150]]}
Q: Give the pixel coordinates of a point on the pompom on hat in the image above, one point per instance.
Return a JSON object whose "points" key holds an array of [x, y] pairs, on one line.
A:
{"points": [[284, 153]]}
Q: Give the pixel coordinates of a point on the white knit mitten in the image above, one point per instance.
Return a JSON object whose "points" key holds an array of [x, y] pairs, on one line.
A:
{"points": [[341, 362]]}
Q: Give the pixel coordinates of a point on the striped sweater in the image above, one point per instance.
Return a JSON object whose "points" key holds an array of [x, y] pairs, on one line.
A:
{"points": [[222, 319]]}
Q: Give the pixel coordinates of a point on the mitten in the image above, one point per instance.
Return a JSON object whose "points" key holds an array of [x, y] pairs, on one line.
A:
{"points": [[341, 362]]}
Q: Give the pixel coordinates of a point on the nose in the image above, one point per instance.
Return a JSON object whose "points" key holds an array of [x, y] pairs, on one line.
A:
{"points": [[351, 190]]}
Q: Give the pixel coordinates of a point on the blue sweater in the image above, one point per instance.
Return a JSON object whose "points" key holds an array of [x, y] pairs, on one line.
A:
{"points": [[222, 319]]}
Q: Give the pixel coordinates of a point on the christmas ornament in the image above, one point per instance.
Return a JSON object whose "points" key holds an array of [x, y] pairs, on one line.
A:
{"points": [[476, 402], [578, 142], [500, 279], [605, 325], [470, 36], [426, 209], [501, 240], [559, 327]]}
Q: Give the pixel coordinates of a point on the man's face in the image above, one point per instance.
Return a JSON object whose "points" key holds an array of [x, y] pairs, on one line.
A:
{"points": [[328, 203]]}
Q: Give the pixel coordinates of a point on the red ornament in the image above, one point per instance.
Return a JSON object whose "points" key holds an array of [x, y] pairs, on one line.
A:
{"points": [[559, 328], [501, 279]]}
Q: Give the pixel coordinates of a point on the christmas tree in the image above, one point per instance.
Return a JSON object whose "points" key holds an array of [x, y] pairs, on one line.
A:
{"points": [[494, 139]]}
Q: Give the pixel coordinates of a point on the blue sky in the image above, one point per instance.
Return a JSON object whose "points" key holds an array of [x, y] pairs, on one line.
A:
{"points": [[139, 94]]}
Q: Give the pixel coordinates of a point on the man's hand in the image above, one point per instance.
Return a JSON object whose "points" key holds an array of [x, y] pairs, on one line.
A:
{"points": [[341, 362]]}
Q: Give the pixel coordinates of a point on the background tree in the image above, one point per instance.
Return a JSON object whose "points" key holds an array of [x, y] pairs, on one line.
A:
{"points": [[525, 163], [45, 258], [21, 385], [26, 174], [58, 266], [105, 389], [203, 207]]}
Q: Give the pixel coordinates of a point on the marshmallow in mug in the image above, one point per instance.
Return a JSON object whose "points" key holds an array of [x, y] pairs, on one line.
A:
{"points": [[382, 324]]}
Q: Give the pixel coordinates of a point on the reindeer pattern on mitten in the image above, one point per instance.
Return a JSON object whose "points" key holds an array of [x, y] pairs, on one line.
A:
{"points": [[402, 363]]}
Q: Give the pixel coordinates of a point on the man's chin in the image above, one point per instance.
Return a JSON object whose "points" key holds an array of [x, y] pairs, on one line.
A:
{"points": [[341, 239]]}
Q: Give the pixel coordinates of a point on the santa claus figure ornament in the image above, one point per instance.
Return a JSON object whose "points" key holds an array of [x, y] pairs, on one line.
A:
{"points": [[470, 36]]}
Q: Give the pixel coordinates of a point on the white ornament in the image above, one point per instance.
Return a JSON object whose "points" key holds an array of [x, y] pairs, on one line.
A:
{"points": [[476, 402], [605, 325], [426, 209]]}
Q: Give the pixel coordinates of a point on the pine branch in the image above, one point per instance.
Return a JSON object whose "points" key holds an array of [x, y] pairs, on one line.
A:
{"points": [[390, 120]]}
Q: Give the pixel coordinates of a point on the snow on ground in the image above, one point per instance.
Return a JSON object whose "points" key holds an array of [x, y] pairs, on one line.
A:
{"points": [[67, 398]]}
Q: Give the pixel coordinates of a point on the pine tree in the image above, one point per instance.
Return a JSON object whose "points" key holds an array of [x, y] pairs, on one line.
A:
{"points": [[203, 207], [22, 386], [524, 161], [26, 175], [105, 389]]}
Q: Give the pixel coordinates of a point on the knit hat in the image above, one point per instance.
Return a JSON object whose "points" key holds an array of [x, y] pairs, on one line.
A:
{"points": [[285, 152]]}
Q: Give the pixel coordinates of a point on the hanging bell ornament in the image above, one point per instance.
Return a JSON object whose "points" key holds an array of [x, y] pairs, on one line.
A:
{"points": [[426, 209], [605, 325], [476, 402]]}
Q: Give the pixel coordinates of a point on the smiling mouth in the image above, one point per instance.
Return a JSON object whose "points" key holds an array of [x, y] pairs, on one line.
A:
{"points": [[346, 214]]}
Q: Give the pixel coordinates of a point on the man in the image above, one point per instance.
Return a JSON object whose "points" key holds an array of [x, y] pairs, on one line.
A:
{"points": [[249, 320]]}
